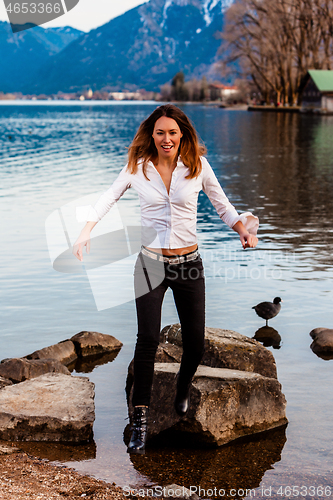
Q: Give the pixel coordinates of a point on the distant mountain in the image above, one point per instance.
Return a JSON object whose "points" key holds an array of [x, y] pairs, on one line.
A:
{"points": [[23, 54], [142, 48]]}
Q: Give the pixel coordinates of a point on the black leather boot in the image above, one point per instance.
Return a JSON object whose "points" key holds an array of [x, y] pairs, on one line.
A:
{"points": [[137, 443], [182, 399]]}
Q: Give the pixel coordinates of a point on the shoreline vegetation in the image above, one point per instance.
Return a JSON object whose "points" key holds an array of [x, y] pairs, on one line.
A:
{"points": [[216, 104], [179, 90]]}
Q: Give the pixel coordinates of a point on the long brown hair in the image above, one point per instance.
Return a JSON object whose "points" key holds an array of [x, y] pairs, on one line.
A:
{"points": [[143, 146]]}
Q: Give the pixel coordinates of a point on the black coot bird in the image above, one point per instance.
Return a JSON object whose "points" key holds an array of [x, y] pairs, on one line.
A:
{"points": [[268, 310]]}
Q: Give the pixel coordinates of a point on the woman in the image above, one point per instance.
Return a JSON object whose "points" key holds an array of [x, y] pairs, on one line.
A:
{"points": [[167, 168]]}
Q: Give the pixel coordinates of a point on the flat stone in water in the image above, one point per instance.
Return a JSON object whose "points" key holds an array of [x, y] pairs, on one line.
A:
{"points": [[225, 404]]}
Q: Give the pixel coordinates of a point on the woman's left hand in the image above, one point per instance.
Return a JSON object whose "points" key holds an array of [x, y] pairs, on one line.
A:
{"points": [[248, 240]]}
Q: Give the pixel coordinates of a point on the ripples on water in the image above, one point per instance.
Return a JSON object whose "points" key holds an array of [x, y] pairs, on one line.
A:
{"points": [[280, 167]]}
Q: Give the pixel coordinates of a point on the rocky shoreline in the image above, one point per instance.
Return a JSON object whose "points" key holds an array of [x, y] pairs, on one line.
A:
{"points": [[24, 477], [41, 401], [235, 393]]}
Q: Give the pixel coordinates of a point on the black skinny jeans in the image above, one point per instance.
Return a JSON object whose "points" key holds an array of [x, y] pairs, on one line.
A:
{"points": [[188, 285]]}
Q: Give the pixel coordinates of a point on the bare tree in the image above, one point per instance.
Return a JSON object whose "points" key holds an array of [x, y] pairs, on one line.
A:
{"points": [[277, 41]]}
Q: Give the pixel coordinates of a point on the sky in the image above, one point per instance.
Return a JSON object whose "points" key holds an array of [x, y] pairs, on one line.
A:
{"points": [[87, 14]]}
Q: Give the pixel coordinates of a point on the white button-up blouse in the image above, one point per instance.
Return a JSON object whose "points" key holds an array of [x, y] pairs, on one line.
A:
{"points": [[172, 215]]}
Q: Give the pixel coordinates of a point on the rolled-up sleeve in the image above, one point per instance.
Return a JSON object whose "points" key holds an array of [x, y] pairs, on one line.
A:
{"points": [[106, 200], [225, 210]]}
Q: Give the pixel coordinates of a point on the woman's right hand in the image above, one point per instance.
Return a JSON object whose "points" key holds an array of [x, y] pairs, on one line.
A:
{"points": [[83, 241]]}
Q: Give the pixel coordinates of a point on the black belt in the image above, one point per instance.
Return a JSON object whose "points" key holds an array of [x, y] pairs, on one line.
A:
{"points": [[179, 259]]}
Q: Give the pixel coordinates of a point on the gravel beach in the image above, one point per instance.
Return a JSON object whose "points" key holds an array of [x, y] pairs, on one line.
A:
{"points": [[23, 476]]}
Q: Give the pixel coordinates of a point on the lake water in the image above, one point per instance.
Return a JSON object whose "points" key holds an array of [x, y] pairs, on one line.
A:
{"points": [[278, 166]]}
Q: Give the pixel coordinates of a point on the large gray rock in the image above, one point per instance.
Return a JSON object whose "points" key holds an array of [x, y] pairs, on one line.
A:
{"points": [[322, 341], [223, 349], [225, 404], [228, 349], [52, 407], [168, 353], [92, 343], [20, 369], [63, 351]]}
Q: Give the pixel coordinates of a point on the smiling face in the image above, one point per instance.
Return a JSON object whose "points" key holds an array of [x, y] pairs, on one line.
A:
{"points": [[167, 135]]}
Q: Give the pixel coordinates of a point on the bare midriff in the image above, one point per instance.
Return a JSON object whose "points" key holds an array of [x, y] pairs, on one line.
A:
{"points": [[174, 251]]}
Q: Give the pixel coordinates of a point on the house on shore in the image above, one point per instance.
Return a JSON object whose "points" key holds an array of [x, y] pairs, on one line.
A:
{"points": [[220, 92], [317, 96]]}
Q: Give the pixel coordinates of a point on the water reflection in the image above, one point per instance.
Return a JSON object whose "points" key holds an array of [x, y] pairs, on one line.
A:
{"points": [[281, 167], [268, 336], [325, 356], [88, 363], [239, 465], [288, 163]]}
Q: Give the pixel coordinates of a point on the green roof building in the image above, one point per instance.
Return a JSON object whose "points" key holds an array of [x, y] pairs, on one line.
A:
{"points": [[318, 91]]}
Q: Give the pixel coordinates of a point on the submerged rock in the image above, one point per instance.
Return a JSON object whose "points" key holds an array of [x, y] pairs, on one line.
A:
{"points": [[225, 404], [20, 369], [53, 407], [228, 349], [60, 452]]}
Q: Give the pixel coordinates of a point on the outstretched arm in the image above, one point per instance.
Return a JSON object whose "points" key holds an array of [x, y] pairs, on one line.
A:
{"points": [[103, 205], [247, 240], [245, 224]]}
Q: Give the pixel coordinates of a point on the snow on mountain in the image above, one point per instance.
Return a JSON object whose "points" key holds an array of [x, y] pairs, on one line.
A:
{"points": [[143, 48]]}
